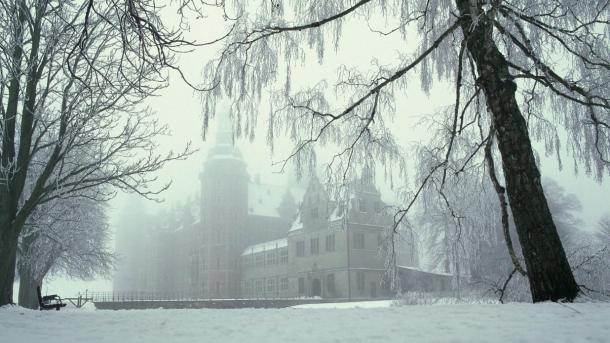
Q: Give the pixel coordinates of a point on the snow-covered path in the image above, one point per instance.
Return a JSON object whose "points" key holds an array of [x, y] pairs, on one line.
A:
{"points": [[584, 322]]}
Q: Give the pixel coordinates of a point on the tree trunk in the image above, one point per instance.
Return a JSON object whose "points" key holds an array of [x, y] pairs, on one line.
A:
{"points": [[8, 259], [548, 270], [28, 296], [32, 270], [8, 207]]}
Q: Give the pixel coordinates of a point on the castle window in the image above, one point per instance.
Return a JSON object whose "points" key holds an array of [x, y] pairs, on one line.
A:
{"points": [[361, 205], [271, 259], [259, 287], [314, 246], [249, 287], [194, 277], [284, 284], [360, 281], [300, 248], [301, 286], [270, 285], [330, 283], [330, 243], [358, 240], [314, 212], [284, 256], [259, 261]]}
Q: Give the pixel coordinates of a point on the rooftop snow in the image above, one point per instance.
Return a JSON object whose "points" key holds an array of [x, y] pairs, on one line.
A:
{"points": [[265, 246], [423, 271], [263, 199], [225, 157], [297, 224]]}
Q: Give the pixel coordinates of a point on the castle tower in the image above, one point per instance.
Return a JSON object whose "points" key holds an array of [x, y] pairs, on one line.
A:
{"points": [[224, 209]]}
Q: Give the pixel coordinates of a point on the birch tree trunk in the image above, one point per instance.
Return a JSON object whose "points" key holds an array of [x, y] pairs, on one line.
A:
{"points": [[548, 270]]}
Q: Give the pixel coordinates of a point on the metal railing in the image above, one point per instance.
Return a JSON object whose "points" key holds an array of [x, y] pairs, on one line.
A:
{"points": [[128, 296]]}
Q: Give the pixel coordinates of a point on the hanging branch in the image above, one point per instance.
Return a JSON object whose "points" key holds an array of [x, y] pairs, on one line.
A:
{"points": [[500, 191]]}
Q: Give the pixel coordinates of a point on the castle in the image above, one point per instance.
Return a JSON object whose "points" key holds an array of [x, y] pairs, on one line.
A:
{"points": [[255, 240]]}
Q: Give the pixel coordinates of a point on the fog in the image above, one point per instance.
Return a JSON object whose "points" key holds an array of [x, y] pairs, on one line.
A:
{"points": [[305, 171], [179, 107]]}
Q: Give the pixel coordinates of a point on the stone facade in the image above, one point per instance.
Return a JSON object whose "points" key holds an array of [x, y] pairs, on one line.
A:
{"points": [[331, 250]]}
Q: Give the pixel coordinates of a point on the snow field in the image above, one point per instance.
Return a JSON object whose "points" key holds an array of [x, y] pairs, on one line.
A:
{"points": [[548, 322]]}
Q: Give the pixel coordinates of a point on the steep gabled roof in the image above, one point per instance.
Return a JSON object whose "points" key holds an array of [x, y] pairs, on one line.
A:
{"points": [[265, 199]]}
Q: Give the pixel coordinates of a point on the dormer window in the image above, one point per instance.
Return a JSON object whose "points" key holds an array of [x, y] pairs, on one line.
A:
{"points": [[361, 205]]}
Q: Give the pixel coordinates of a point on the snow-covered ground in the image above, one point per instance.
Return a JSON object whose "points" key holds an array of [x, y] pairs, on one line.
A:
{"points": [[549, 322], [360, 304]]}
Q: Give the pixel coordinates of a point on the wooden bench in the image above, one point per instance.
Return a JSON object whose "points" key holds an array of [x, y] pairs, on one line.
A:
{"points": [[49, 302]]}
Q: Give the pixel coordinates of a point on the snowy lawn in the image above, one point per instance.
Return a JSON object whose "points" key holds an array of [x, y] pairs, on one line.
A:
{"points": [[583, 322]]}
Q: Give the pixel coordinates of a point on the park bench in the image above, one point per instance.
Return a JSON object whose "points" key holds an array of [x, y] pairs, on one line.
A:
{"points": [[49, 302]]}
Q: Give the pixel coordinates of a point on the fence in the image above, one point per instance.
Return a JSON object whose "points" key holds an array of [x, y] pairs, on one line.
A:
{"points": [[169, 296]]}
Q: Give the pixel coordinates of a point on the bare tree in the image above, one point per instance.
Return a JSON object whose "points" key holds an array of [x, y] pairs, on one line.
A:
{"points": [[464, 214], [488, 49], [590, 259], [64, 236], [462, 221], [72, 79]]}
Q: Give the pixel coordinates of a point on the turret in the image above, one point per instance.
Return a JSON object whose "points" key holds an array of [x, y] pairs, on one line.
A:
{"points": [[224, 209]]}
